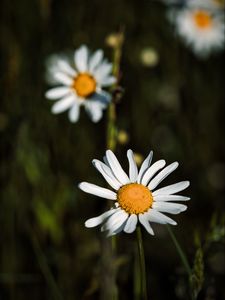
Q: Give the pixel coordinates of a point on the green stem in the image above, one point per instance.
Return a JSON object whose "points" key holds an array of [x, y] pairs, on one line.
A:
{"points": [[111, 121], [45, 268], [137, 276], [109, 288], [111, 127], [142, 264], [180, 252]]}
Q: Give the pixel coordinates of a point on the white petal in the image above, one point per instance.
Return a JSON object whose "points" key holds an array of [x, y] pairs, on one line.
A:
{"points": [[152, 170], [172, 189], [143, 218], [94, 110], [103, 97], [107, 81], [131, 224], [65, 67], [133, 170], [116, 167], [115, 221], [95, 60], [107, 174], [162, 175], [63, 104], [81, 59], [103, 71], [157, 217], [163, 198], [74, 113], [106, 161], [97, 190], [172, 208], [100, 219], [57, 92], [111, 233], [63, 78], [145, 165]]}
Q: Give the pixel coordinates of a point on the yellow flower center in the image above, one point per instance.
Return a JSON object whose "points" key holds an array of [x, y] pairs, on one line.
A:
{"points": [[134, 198], [202, 19], [84, 84]]}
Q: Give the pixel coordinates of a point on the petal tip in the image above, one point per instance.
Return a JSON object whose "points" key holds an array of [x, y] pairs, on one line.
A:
{"points": [[80, 185], [184, 208], [108, 151], [87, 224], [94, 162], [176, 163]]}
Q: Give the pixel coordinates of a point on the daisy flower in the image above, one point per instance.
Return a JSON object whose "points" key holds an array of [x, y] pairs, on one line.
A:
{"points": [[80, 83], [208, 4], [135, 197], [202, 29]]}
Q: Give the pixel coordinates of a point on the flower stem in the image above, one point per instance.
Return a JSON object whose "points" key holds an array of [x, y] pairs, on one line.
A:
{"points": [[142, 264], [111, 124], [111, 121], [180, 252], [45, 268], [108, 283]]}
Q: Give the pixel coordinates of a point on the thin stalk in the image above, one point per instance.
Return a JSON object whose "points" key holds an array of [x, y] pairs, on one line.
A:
{"points": [[111, 139], [180, 252], [45, 268], [137, 276], [109, 288], [142, 264]]}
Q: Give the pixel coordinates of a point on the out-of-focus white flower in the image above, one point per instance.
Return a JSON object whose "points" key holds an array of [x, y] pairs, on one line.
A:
{"points": [[136, 198], [80, 83], [175, 2], [207, 4], [213, 4], [201, 29]]}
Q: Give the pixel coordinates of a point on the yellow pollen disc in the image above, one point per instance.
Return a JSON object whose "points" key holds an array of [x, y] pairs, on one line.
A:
{"points": [[84, 85], [134, 198], [202, 19]]}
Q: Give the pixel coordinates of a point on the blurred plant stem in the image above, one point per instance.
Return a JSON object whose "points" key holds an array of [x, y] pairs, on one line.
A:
{"points": [[215, 234], [142, 269], [180, 252], [197, 277], [12, 251], [45, 268], [111, 120], [108, 283], [137, 275]]}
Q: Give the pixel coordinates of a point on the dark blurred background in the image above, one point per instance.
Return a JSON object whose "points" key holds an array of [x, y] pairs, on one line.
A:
{"points": [[173, 104]]}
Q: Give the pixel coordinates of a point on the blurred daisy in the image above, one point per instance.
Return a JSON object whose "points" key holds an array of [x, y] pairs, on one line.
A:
{"points": [[208, 4], [136, 197], [202, 29], [196, 3], [81, 83]]}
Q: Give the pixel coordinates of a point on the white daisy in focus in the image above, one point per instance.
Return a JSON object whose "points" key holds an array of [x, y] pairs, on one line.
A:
{"points": [[202, 29], [80, 84], [135, 197]]}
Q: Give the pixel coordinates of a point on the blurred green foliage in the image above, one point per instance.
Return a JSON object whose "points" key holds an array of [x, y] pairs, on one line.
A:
{"points": [[173, 104]]}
